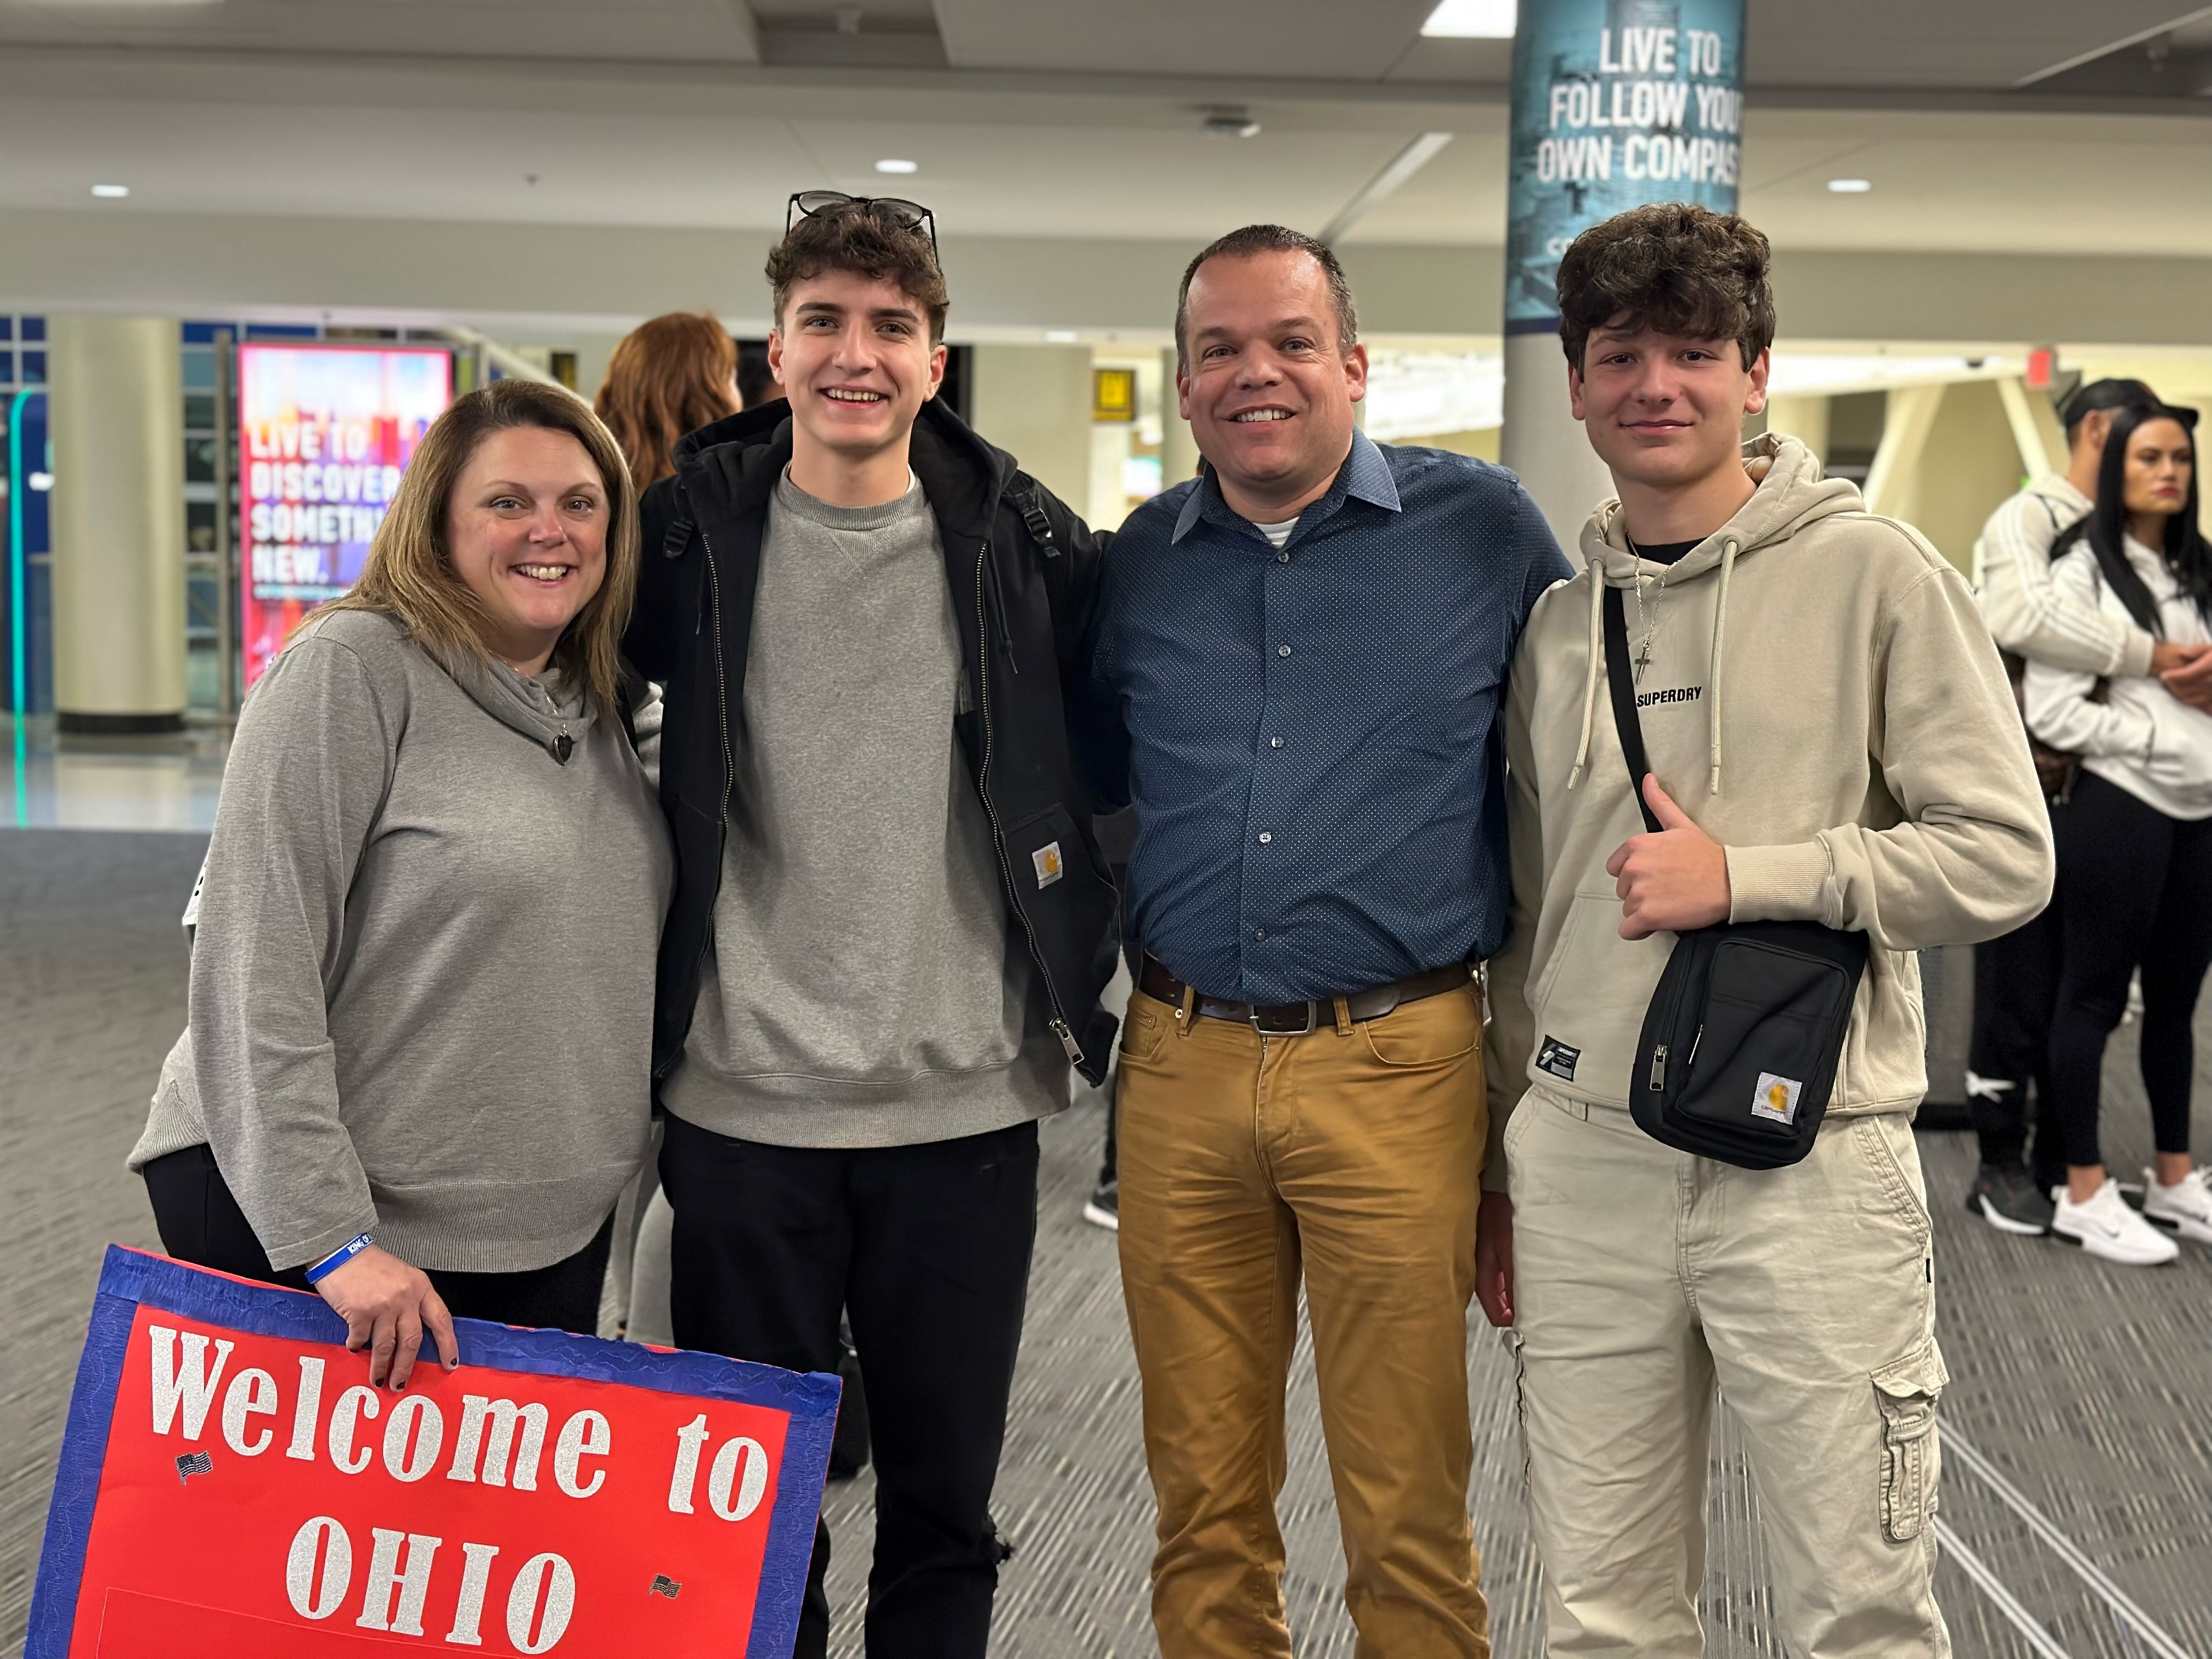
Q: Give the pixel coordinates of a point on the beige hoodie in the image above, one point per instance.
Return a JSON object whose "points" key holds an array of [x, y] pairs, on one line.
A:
{"points": [[1823, 699]]}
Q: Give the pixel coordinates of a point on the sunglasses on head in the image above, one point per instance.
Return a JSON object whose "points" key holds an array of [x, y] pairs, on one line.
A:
{"points": [[891, 209]]}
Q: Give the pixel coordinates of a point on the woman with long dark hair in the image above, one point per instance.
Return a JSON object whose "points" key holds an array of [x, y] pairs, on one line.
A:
{"points": [[2134, 837]]}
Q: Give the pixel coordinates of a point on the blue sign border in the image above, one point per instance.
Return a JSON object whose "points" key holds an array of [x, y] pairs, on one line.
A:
{"points": [[131, 1278]]}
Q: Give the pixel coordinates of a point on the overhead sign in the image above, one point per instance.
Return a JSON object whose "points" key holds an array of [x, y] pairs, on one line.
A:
{"points": [[232, 1488], [1615, 103], [325, 432]]}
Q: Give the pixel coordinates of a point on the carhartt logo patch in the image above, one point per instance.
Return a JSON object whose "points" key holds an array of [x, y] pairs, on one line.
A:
{"points": [[1557, 1059], [1776, 1097], [1047, 859]]}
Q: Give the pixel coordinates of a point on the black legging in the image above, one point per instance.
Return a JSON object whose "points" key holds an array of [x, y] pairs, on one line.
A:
{"points": [[2134, 892], [200, 1222]]}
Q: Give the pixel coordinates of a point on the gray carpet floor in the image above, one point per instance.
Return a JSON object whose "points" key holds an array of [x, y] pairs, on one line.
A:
{"points": [[2078, 1468]]}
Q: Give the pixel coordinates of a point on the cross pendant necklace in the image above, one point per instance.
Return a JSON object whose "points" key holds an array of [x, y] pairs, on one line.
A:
{"points": [[1644, 649]]}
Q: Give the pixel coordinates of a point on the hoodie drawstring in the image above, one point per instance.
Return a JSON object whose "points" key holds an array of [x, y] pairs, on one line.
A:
{"points": [[1596, 569], [1713, 669]]}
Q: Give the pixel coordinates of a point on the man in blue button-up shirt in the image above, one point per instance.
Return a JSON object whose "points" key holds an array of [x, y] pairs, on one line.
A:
{"points": [[1297, 661]]}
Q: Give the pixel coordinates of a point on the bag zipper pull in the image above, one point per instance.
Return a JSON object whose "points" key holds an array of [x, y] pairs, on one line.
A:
{"points": [[1058, 1028], [1659, 1069]]}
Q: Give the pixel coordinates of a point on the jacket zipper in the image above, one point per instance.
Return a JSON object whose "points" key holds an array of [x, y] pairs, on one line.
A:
{"points": [[1059, 1021], [729, 765]]}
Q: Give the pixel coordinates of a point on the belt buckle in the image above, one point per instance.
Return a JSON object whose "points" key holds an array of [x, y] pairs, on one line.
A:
{"points": [[1312, 1024]]}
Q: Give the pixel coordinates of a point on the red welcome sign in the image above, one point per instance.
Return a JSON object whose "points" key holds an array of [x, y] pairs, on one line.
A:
{"points": [[231, 1488]]}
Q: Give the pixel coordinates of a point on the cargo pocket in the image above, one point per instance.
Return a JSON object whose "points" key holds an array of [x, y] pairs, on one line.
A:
{"points": [[1907, 1392]]}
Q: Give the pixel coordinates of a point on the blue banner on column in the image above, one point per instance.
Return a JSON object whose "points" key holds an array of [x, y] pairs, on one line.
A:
{"points": [[1616, 103]]}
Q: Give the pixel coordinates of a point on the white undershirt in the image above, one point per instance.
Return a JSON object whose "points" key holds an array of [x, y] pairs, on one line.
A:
{"points": [[1277, 534]]}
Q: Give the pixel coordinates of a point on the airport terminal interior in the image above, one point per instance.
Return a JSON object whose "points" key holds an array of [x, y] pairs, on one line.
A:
{"points": [[1976, 206]]}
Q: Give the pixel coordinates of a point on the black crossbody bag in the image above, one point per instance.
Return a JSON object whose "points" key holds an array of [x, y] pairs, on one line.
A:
{"points": [[1738, 1053]]}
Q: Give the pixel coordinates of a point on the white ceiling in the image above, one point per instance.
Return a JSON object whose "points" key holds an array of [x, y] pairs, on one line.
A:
{"points": [[1952, 44], [1049, 118]]}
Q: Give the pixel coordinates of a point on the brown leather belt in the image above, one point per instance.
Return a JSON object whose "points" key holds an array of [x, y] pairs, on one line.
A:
{"points": [[1298, 1019]]}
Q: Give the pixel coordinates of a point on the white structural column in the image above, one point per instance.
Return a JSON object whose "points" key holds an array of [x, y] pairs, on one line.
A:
{"points": [[1543, 444], [1616, 103], [1178, 447], [1035, 401], [117, 422]]}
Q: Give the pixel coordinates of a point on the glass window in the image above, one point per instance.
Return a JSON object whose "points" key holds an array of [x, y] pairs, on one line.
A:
{"points": [[199, 368], [199, 412], [34, 368], [7, 328], [7, 367], [34, 328]]}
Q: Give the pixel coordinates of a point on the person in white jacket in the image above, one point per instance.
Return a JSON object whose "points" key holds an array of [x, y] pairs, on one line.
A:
{"points": [[1830, 740], [2134, 836], [2016, 977]]}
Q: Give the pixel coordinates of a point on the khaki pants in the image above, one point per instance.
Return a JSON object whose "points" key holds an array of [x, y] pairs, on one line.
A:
{"points": [[1643, 1276], [1353, 1155]]}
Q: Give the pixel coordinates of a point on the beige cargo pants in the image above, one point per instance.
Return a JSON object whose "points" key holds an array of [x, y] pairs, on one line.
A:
{"points": [[1644, 1277]]}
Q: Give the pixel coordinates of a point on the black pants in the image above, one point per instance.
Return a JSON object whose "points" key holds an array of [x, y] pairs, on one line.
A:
{"points": [[2015, 985], [2134, 892], [201, 1223], [927, 1248]]}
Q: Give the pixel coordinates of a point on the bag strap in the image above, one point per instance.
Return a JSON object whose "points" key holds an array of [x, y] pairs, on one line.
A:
{"points": [[1621, 682], [1021, 494]]}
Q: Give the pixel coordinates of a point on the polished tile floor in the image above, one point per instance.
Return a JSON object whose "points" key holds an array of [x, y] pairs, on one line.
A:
{"points": [[49, 780], [2077, 1480]]}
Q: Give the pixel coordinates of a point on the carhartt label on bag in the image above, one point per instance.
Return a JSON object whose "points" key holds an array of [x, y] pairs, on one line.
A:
{"points": [[1557, 1059], [1776, 1097], [1047, 860]]}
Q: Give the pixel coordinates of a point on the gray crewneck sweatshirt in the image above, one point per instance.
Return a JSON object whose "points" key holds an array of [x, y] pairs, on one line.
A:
{"points": [[861, 989], [422, 983]]}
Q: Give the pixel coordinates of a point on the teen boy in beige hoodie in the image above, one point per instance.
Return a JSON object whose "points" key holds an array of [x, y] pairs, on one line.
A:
{"points": [[1832, 740]]}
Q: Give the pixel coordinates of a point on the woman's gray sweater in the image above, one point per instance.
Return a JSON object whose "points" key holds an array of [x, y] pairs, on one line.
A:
{"points": [[422, 983]]}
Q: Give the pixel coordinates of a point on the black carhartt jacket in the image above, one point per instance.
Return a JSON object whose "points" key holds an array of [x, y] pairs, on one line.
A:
{"points": [[1023, 573]]}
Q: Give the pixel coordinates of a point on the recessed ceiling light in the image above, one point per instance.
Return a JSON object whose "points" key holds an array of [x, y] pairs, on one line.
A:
{"points": [[1851, 186], [1230, 121], [112, 192], [1059, 335], [1472, 19], [892, 164]]}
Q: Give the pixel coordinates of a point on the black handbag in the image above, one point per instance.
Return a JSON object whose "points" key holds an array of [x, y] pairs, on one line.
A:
{"points": [[1738, 1053]]}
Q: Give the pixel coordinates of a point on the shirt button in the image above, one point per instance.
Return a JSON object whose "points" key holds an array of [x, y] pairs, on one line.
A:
{"points": [[1275, 743], [1266, 836], [1282, 650], [1283, 557], [1259, 933]]}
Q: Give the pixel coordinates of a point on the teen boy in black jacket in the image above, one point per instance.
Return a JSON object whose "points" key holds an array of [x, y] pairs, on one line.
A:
{"points": [[891, 924]]}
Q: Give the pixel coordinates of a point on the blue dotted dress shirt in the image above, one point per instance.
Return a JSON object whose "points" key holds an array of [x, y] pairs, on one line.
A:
{"points": [[1310, 737]]}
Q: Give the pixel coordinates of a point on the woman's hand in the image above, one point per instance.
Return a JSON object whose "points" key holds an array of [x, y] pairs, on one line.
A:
{"points": [[387, 1306]]}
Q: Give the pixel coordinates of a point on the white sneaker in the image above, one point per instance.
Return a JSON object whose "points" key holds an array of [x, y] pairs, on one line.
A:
{"points": [[2106, 1227], [2185, 1208]]}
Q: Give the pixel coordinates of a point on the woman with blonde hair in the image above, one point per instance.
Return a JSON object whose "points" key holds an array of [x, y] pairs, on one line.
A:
{"points": [[417, 1076], [669, 376]]}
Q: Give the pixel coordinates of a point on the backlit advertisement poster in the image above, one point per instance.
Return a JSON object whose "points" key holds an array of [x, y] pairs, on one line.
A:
{"points": [[1615, 103], [325, 432]]}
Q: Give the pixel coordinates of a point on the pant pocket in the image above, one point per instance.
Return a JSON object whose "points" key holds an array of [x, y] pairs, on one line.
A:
{"points": [[1907, 1391], [1512, 1339]]}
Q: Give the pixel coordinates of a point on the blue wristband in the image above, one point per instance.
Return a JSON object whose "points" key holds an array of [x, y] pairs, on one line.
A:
{"points": [[339, 1257]]}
